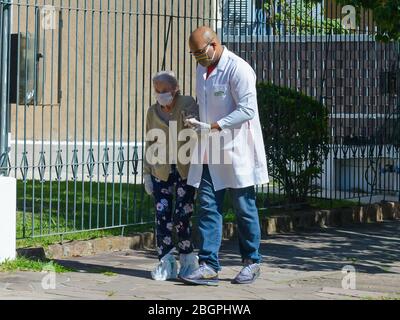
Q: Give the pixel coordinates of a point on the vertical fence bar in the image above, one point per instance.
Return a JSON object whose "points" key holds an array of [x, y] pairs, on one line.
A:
{"points": [[84, 9], [36, 37], [18, 92], [4, 104], [128, 173], [99, 114], [90, 158], [60, 104], [43, 75], [17, 111], [75, 161], [67, 118], [121, 114], [105, 157], [50, 126], [143, 101], [135, 197], [114, 115]]}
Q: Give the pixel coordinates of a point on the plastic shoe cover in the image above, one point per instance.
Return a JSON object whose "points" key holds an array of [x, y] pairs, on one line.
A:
{"points": [[189, 263], [166, 269]]}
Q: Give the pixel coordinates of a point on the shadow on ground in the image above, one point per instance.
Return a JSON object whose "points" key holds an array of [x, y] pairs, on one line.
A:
{"points": [[370, 248]]}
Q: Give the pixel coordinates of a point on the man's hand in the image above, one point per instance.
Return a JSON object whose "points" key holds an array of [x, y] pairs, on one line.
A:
{"points": [[198, 126]]}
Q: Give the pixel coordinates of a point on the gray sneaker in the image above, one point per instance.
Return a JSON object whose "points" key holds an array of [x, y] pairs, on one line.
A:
{"points": [[248, 274], [204, 275]]}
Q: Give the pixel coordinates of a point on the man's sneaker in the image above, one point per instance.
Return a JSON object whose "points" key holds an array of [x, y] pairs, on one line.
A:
{"points": [[248, 274], [204, 275]]}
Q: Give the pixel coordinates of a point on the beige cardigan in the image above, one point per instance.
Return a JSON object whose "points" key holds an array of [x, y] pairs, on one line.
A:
{"points": [[184, 106]]}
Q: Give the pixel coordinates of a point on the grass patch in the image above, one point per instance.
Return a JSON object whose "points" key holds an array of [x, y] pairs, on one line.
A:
{"points": [[84, 235], [111, 293], [79, 211], [48, 208], [352, 260], [104, 271], [25, 264], [331, 204], [109, 274], [74, 210]]}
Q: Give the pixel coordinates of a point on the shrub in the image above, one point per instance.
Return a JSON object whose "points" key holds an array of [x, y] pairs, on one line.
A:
{"points": [[295, 130]]}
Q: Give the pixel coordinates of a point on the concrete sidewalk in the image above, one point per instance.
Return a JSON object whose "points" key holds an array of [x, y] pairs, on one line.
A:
{"points": [[296, 266]]}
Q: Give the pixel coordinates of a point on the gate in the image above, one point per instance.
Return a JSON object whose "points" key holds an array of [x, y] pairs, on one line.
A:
{"points": [[76, 84]]}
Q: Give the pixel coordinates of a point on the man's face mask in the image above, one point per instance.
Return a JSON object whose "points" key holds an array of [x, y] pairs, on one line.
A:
{"points": [[203, 58]]}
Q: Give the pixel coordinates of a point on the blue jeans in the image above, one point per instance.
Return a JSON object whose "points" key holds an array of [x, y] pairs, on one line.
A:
{"points": [[211, 218]]}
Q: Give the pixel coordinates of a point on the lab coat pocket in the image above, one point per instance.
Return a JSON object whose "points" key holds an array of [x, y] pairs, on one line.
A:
{"points": [[220, 91]]}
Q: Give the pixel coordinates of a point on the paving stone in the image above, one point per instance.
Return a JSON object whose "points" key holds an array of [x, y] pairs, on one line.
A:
{"points": [[301, 265]]}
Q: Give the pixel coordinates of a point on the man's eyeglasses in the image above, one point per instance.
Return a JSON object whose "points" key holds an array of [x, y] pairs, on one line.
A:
{"points": [[200, 51]]}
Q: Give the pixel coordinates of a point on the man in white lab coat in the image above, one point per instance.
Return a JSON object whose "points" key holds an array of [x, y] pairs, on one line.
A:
{"points": [[227, 97]]}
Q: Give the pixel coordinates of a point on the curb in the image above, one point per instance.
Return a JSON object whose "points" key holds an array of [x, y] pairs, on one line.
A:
{"points": [[79, 248], [284, 223], [347, 216]]}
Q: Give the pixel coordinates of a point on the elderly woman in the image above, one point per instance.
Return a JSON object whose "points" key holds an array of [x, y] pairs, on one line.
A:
{"points": [[165, 180]]}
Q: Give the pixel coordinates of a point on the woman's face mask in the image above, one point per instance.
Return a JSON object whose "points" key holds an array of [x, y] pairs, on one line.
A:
{"points": [[165, 99]]}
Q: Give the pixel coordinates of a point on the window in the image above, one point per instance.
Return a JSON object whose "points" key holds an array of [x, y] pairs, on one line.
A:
{"points": [[236, 17]]}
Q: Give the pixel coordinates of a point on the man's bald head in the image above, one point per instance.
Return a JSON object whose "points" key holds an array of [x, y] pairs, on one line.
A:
{"points": [[202, 36]]}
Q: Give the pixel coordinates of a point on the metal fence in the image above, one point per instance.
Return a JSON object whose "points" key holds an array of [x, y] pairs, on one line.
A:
{"points": [[76, 84]]}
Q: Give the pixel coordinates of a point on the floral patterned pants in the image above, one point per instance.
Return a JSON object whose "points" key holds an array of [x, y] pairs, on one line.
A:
{"points": [[168, 218]]}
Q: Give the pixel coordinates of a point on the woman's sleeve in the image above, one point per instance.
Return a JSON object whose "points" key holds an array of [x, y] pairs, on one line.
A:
{"points": [[193, 109], [146, 165]]}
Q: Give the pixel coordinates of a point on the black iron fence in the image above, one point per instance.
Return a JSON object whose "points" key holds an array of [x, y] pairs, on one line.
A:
{"points": [[76, 84]]}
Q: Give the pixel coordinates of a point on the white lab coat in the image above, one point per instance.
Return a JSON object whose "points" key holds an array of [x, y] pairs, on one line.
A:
{"points": [[229, 97]]}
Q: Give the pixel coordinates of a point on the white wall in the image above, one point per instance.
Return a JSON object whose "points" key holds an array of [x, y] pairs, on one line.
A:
{"points": [[7, 218]]}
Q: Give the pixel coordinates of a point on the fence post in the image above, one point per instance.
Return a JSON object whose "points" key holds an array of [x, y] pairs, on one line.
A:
{"points": [[5, 24], [7, 184]]}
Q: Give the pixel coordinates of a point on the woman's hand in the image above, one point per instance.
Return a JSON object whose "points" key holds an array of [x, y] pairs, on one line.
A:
{"points": [[148, 184]]}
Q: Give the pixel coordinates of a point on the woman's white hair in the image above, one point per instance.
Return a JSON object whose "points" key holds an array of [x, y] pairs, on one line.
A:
{"points": [[166, 76]]}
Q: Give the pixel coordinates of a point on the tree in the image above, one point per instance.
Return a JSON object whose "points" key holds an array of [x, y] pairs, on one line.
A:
{"points": [[295, 130], [386, 14], [300, 18]]}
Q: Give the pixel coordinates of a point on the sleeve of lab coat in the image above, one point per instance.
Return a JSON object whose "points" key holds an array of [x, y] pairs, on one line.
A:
{"points": [[243, 90]]}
